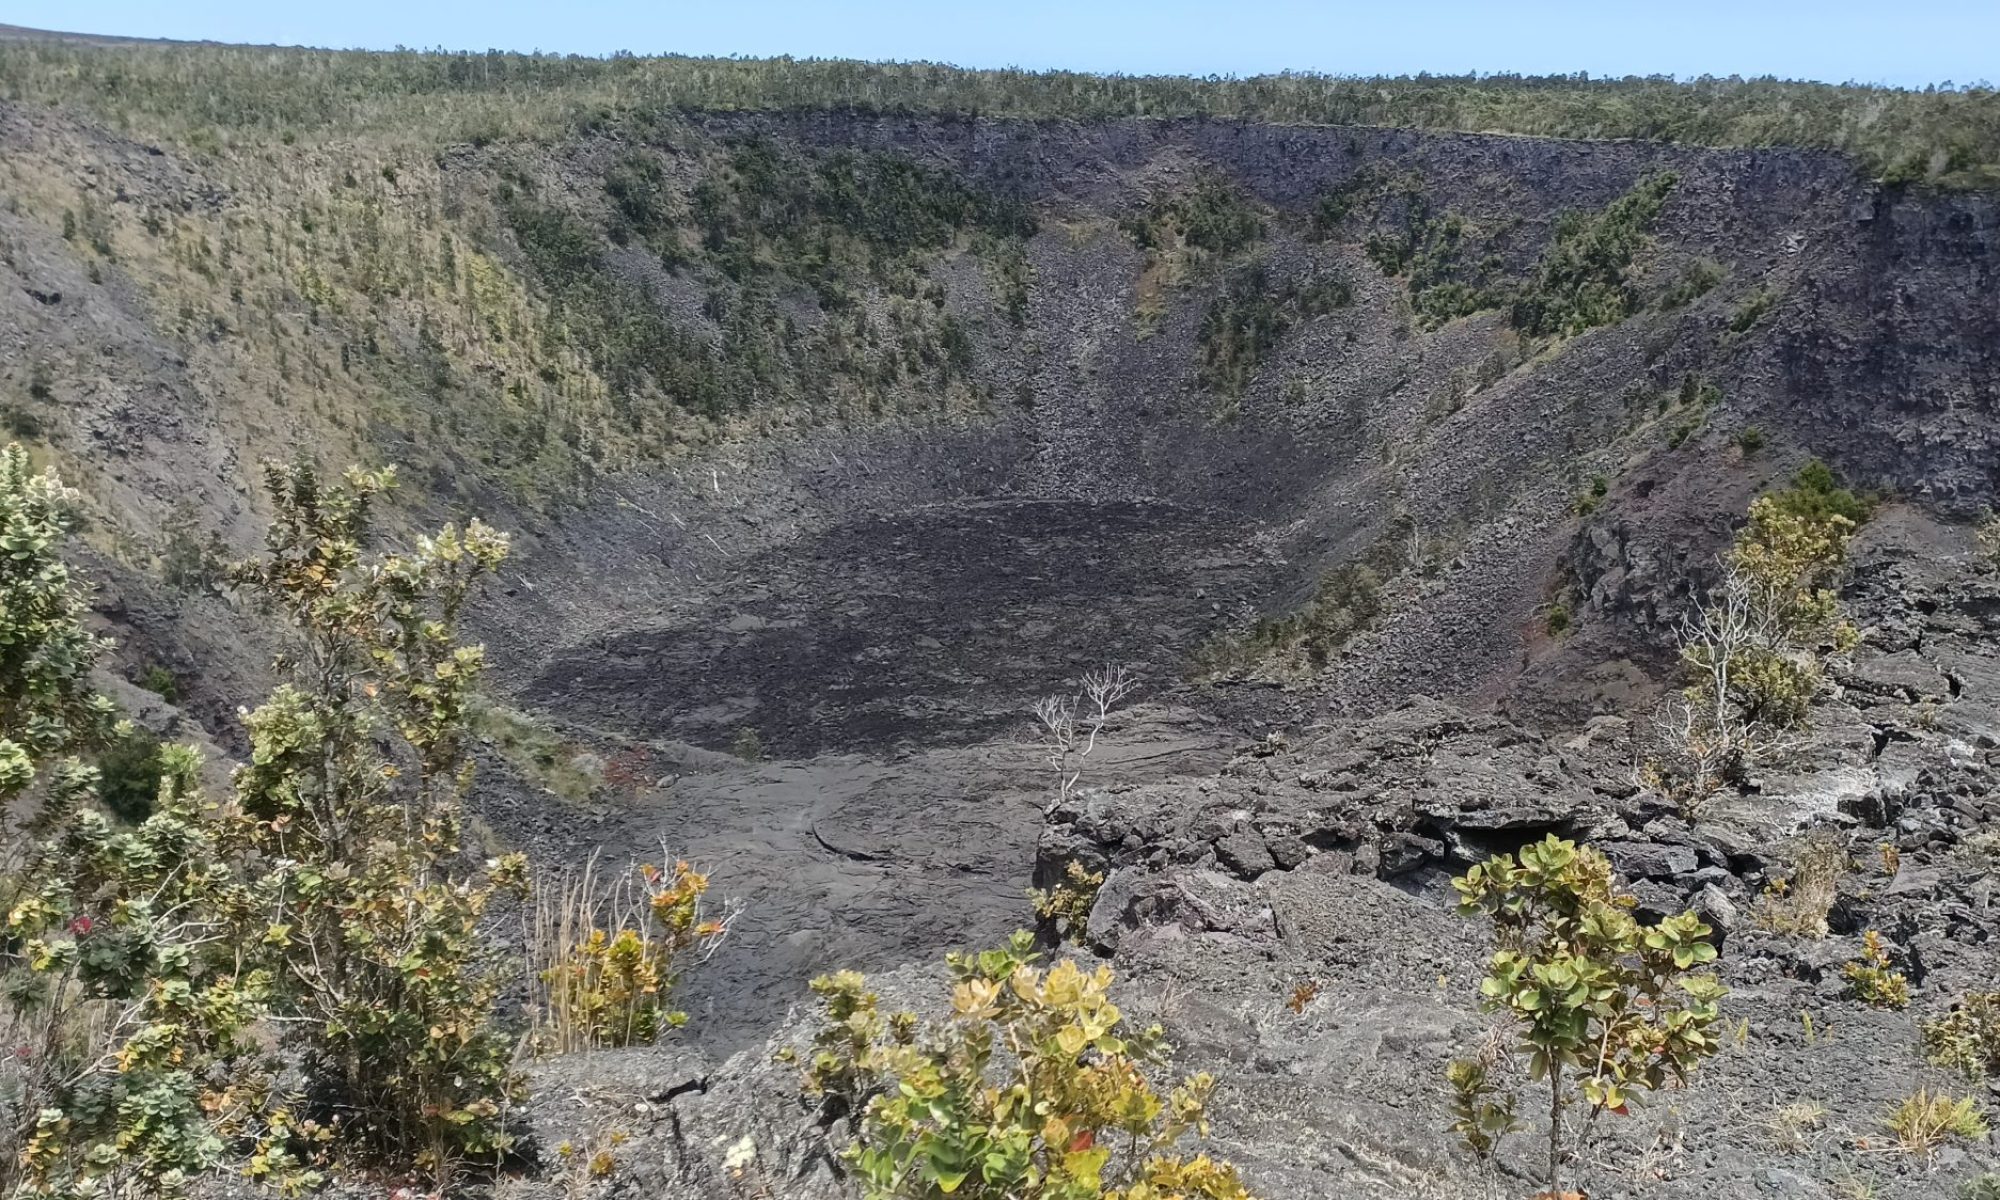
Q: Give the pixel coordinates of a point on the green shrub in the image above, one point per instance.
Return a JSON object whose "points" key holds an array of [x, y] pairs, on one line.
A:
{"points": [[45, 652], [1323, 294], [842, 215], [1583, 279], [1336, 203], [161, 682], [1790, 555], [1750, 440], [349, 813], [1012, 276], [1755, 650], [193, 559], [1697, 392], [1030, 1091], [129, 772], [123, 1011], [604, 961], [1968, 1037], [760, 224], [143, 1011], [1815, 495], [1986, 536], [1873, 981], [21, 422], [616, 321], [1752, 309], [1585, 504], [1065, 906], [1696, 280]]}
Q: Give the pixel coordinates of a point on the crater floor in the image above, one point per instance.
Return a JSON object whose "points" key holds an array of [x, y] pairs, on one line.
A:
{"points": [[925, 628], [888, 666]]}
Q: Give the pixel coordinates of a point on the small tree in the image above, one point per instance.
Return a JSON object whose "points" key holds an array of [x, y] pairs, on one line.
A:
{"points": [[347, 817], [1603, 1006], [1071, 725], [1029, 1092]]}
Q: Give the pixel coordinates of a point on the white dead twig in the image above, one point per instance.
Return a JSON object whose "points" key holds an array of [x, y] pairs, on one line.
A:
{"points": [[1071, 725]]}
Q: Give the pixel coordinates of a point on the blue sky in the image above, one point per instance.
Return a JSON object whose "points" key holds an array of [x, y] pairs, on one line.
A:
{"points": [[1912, 42]]}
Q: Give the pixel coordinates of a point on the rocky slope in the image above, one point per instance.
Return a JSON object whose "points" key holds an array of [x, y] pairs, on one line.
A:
{"points": [[1316, 865]]}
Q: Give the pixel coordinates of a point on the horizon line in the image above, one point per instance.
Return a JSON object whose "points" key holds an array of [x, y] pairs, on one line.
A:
{"points": [[26, 33]]}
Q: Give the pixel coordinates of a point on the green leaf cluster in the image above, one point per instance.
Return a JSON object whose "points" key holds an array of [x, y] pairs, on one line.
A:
{"points": [[1874, 981], [1032, 1090], [1602, 1005], [1968, 1037]]}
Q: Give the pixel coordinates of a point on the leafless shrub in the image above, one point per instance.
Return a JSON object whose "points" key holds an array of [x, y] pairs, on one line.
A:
{"points": [[1071, 725], [1795, 1127], [1706, 733]]}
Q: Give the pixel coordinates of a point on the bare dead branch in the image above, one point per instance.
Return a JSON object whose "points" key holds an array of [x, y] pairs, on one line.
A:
{"points": [[1072, 725]]}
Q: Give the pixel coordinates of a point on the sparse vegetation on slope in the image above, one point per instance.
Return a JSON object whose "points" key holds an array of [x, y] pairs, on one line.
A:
{"points": [[1446, 262], [1948, 136], [1187, 233], [1347, 601], [1246, 322], [1582, 279], [538, 315]]}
